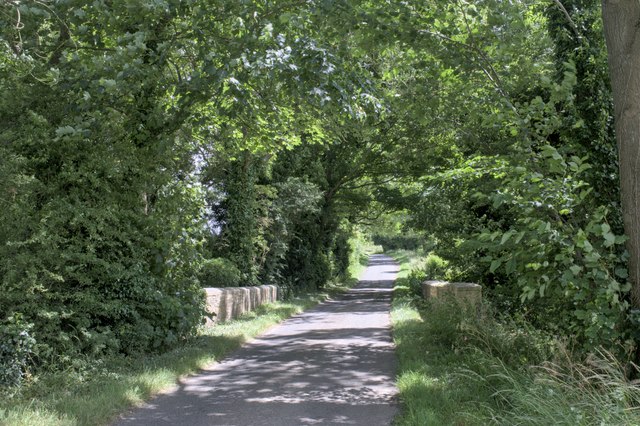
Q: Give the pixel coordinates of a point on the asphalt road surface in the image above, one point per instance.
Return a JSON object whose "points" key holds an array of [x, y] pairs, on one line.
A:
{"points": [[331, 365]]}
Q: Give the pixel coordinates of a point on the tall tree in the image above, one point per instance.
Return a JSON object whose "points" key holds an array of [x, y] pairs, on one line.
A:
{"points": [[622, 33], [104, 106]]}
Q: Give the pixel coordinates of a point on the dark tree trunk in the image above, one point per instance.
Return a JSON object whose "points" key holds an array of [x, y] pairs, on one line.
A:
{"points": [[621, 20]]}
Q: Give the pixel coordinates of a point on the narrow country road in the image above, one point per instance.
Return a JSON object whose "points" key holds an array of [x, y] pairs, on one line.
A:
{"points": [[331, 365]]}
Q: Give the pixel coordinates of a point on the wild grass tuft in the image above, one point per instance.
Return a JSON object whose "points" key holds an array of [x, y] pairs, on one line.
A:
{"points": [[568, 392]]}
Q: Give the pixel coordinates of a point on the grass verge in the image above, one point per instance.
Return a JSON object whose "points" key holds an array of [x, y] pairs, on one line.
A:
{"points": [[428, 374], [427, 365], [408, 259], [461, 367], [96, 392]]}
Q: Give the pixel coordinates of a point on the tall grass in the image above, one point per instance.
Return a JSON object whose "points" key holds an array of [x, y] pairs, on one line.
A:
{"points": [[594, 391], [460, 368], [469, 367]]}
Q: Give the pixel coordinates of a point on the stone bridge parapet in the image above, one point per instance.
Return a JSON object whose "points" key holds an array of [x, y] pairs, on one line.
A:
{"points": [[230, 302], [467, 293]]}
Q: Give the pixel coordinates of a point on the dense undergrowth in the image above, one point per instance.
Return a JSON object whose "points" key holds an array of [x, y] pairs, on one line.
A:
{"points": [[478, 367]]}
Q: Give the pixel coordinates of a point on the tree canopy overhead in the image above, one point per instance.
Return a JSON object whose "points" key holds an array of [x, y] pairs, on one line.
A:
{"points": [[150, 148]]}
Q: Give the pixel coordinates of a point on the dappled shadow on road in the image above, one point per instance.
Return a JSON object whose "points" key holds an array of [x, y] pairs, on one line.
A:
{"points": [[333, 364], [380, 259], [380, 274], [322, 368]]}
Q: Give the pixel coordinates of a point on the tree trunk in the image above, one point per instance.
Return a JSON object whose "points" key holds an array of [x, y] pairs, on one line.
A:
{"points": [[621, 20]]}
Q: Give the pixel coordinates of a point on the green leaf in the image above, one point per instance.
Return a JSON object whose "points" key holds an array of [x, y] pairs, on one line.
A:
{"points": [[620, 239], [519, 237], [108, 83], [585, 193], [622, 273], [65, 130], [528, 293], [506, 236], [614, 285], [609, 239], [575, 269], [285, 18]]}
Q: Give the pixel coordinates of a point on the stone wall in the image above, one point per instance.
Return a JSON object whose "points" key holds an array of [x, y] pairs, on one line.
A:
{"points": [[231, 302]]}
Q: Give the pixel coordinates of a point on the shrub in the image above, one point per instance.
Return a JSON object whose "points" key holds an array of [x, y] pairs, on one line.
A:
{"points": [[431, 268], [414, 281], [435, 267], [319, 271], [341, 252], [219, 272], [16, 347]]}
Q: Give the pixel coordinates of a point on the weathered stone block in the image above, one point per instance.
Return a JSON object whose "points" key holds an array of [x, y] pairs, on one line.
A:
{"points": [[467, 293]]}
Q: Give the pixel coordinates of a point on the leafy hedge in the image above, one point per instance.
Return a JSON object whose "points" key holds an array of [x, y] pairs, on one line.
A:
{"points": [[16, 348], [219, 272]]}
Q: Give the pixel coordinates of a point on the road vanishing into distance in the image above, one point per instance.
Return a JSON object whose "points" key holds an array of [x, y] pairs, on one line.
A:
{"points": [[333, 364]]}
